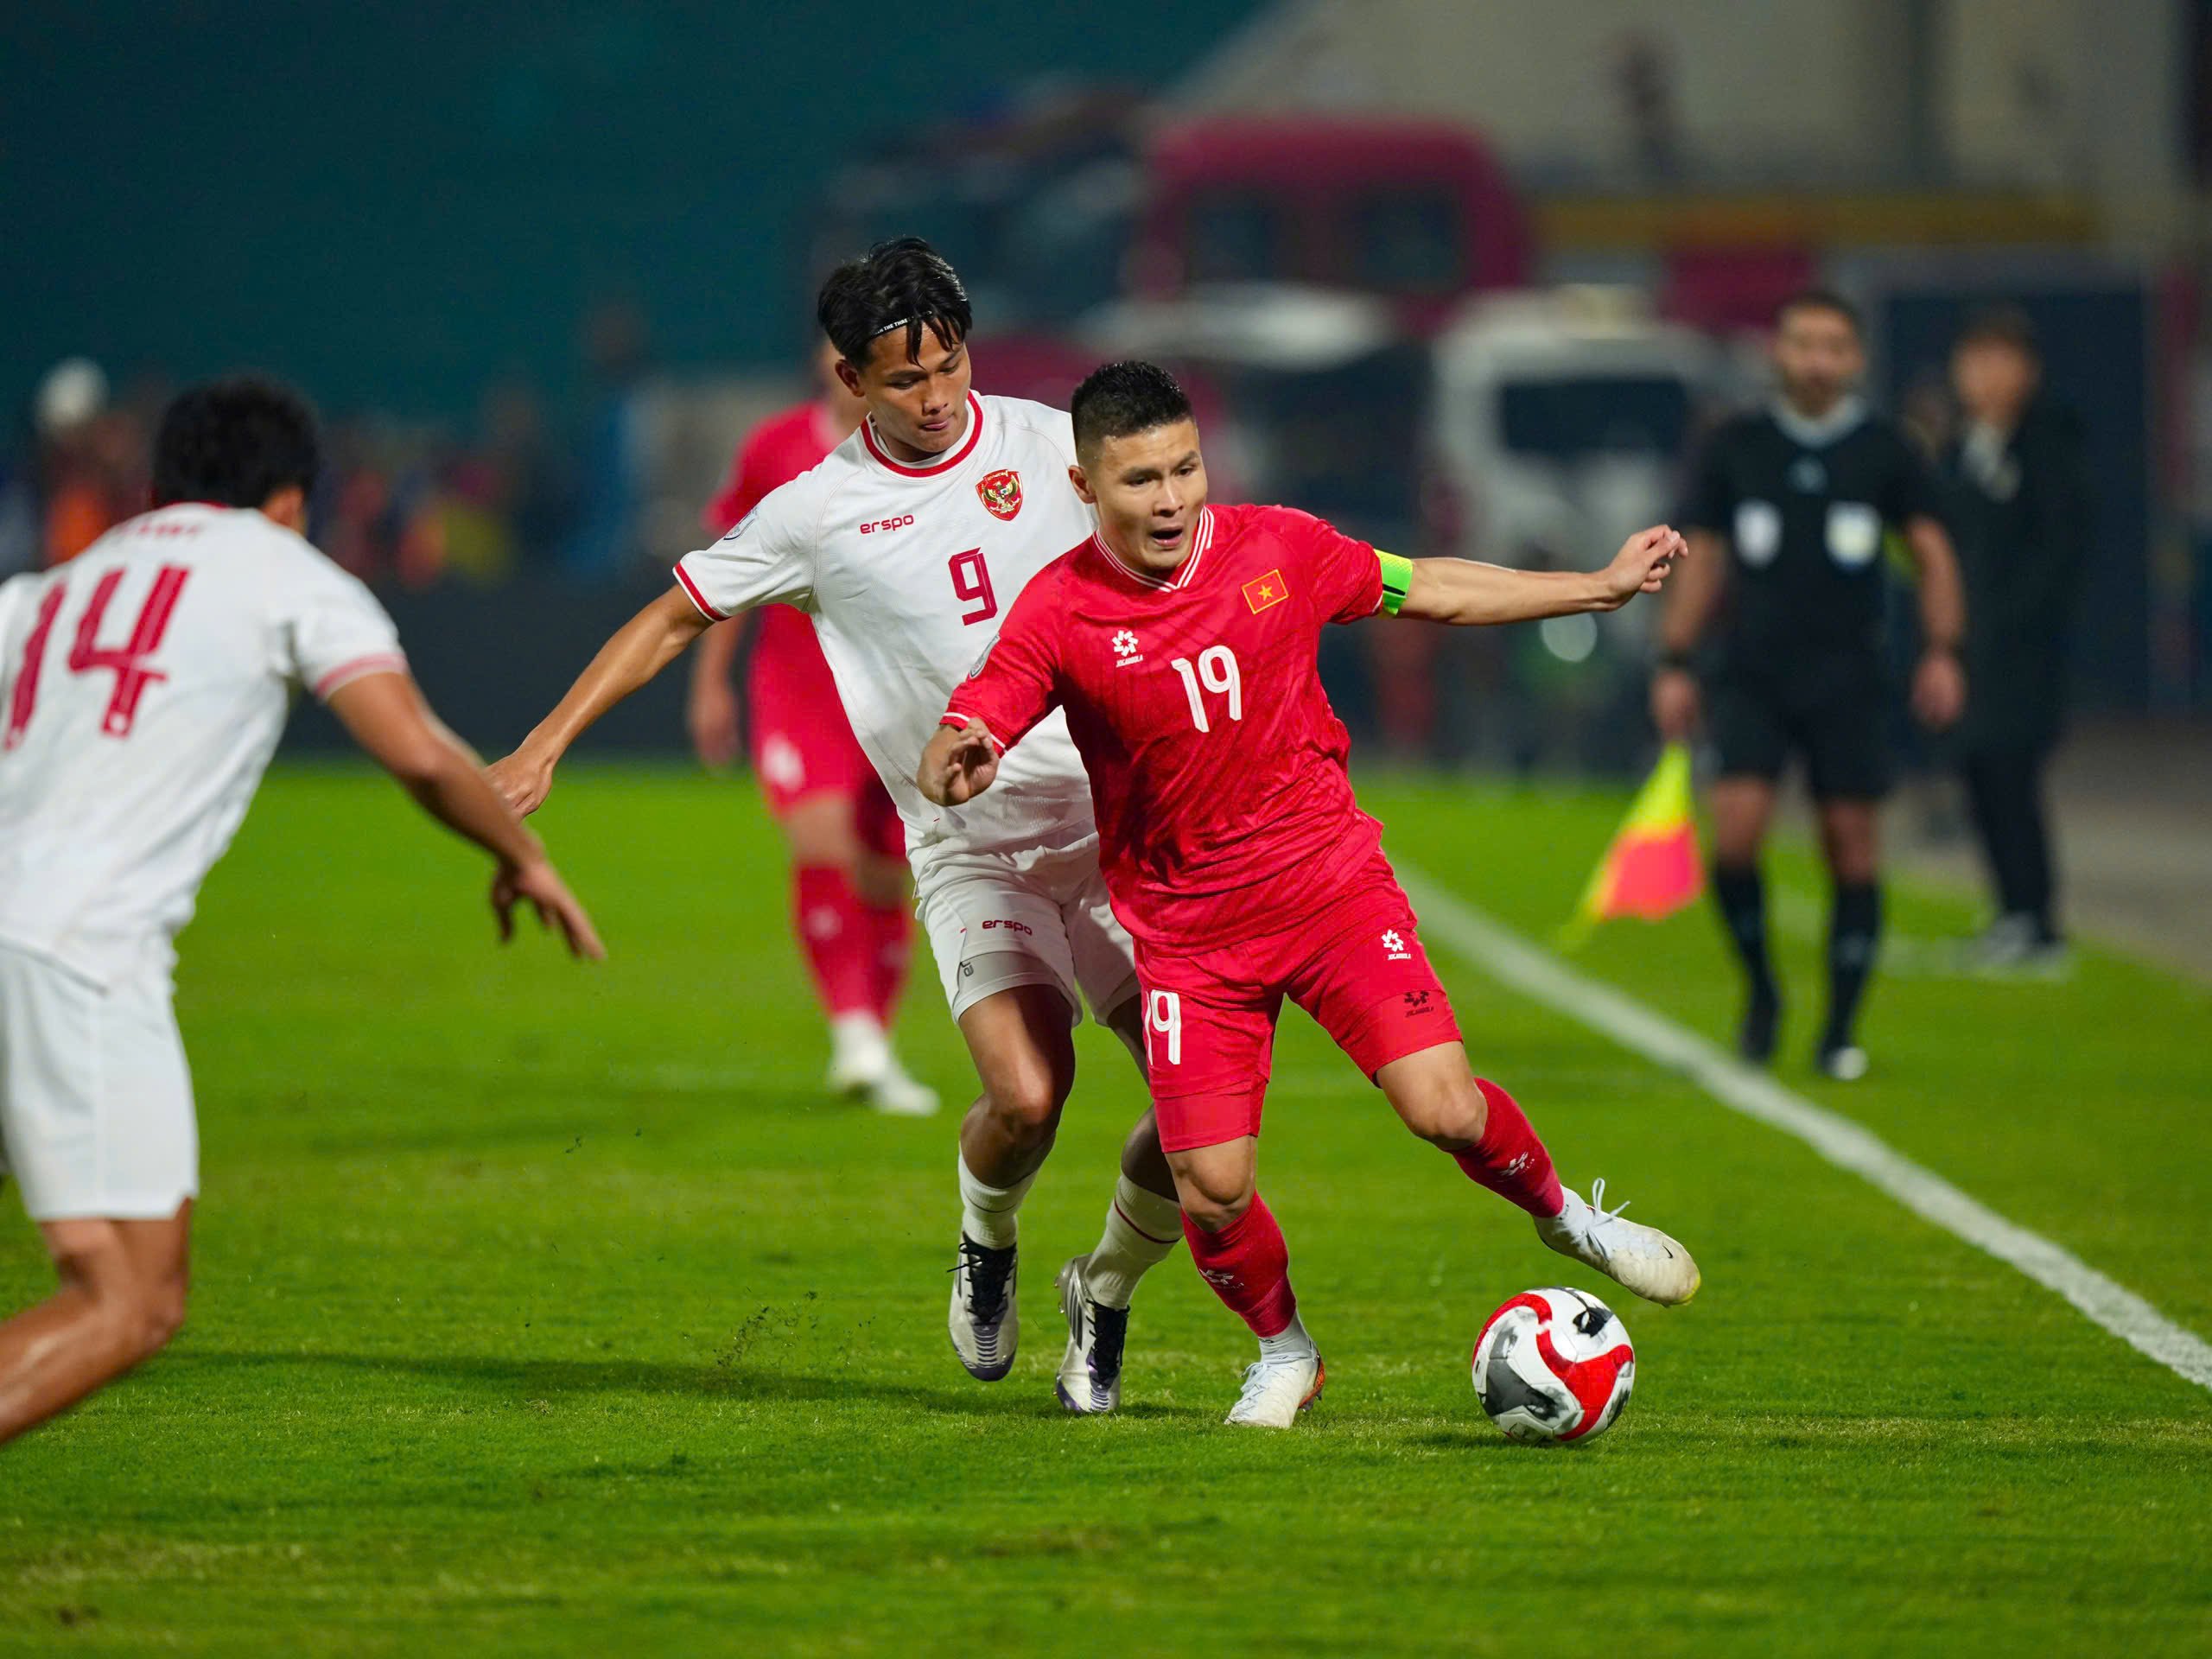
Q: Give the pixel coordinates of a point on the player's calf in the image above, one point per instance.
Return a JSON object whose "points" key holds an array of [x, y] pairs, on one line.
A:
{"points": [[1435, 1095], [1024, 1059], [1216, 1184], [1500, 1150], [1240, 1253], [1481, 1126], [120, 1301]]}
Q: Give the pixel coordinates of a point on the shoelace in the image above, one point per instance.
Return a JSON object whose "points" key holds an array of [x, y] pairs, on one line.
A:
{"points": [[1252, 1374], [987, 1270], [1598, 1214], [1109, 1328]]}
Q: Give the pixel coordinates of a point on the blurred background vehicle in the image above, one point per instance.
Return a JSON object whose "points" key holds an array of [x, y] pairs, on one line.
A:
{"points": [[1418, 214]]}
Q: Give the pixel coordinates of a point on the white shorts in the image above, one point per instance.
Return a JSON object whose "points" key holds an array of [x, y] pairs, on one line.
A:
{"points": [[1037, 917], [95, 1097]]}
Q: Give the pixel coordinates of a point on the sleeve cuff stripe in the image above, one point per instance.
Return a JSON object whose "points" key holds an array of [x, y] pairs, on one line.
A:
{"points": [[954, 717], [379, 662], [691, 592]]}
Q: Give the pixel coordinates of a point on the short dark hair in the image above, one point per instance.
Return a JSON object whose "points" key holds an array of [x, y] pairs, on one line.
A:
{"points": [[2000, 325], [1820, 299], [235, 442], [1117, 400], [904, 282]]}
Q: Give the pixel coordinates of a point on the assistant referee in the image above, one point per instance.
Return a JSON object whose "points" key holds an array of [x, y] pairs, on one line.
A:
{"points": [[1777, 647]]}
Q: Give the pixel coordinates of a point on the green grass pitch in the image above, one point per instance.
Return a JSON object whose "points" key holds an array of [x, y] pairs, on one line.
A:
{"points": [[545, 1309]]}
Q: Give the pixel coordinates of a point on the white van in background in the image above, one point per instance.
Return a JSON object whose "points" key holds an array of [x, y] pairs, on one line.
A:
{"points": [[1558, 425]]}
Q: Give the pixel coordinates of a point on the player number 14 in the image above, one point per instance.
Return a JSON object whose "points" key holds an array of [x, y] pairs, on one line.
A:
{"points": [[1215, 671], [130, 662]]}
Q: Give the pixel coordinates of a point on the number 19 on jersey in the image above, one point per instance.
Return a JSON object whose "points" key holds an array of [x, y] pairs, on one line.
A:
{"points": [[1214, 672]]}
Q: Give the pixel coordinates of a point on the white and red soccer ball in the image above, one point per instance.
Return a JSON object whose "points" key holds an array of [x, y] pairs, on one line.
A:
{"points": [[1553, 1366]]}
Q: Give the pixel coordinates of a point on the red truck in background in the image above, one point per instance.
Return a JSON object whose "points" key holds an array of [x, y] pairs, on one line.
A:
{"points": [[1417, 213]]}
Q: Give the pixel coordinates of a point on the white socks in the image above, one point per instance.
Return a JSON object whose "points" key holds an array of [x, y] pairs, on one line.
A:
{"points": [[1573, 1219], [987, 1213], [1290, 1342], [1141, 1230]]}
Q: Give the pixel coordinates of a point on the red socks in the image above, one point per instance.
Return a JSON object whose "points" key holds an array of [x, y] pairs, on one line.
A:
{"points": [[856, 951], [834, 931], [887, 935], [1249, 1267], [1510, 1160]]}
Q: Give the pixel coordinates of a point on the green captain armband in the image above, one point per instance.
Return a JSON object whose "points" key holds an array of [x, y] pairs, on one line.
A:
{"points": [[1397, 581]]}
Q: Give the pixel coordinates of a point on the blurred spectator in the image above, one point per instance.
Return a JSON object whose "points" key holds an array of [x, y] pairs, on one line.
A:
{"points": [[2020, 473], [533, 490], [604, 540], [1645, 79], [91, 459], [376, 508]]}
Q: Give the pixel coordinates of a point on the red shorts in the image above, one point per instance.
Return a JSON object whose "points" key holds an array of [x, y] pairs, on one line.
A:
{"points": [[1353, 962], [803, 745]]}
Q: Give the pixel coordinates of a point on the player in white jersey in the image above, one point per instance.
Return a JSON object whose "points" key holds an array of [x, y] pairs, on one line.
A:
{"points": [[143, 687], [906, 545]]}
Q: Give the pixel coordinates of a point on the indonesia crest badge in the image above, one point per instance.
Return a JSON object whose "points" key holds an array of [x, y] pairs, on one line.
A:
{"points": [[1001, 492]]}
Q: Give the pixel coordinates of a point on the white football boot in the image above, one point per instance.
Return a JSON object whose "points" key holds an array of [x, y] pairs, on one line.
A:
{"points": [[985, 1323], [1846, 1063], [1641, 1258], [863, 1066], [1091, 1372], [896, 1095], [859, 1054], [1277, 1389]]}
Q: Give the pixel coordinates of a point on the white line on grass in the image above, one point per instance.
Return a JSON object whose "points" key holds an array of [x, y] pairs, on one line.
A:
{"points": [[1512, 961]]}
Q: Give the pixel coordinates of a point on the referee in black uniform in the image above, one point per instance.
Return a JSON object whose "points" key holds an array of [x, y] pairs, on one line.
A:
{"points": [[1780, 607]]}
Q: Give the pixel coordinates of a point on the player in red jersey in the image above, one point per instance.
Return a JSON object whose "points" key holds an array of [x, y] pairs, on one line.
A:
{"points": [[1181, 641], [849, 905]]}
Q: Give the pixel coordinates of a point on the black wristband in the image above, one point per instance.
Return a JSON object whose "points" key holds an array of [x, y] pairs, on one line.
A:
{"points": [[1676, 659]]}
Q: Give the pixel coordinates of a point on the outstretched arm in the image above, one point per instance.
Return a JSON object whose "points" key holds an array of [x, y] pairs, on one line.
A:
{"points": [[645, 645], [387, 716], [1468, 593]]}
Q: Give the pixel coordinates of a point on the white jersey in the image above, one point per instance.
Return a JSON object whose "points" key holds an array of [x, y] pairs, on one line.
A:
{"points": [[142, 688], [907, 572]]}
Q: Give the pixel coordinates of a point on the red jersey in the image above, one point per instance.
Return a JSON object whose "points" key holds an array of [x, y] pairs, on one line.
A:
{"points": [[774, 453], [1216, 766]]}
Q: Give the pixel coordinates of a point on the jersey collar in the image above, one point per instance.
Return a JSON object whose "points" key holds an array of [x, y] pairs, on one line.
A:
{"points": [[965, 448], [1183, 575], [1818, 434]]}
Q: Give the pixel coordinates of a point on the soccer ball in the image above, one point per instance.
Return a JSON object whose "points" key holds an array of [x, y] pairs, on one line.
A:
{"points": [[1554, 1365]]}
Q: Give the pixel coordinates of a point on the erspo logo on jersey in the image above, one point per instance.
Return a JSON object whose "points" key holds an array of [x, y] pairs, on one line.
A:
{"points": [[1001, 492], [877, 525]]}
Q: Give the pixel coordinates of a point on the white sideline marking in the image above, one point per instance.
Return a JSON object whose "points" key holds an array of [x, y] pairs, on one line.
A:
{"points": [[1512, 961]]}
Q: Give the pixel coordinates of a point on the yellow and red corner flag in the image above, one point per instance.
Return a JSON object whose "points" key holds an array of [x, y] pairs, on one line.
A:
{"points": [[1652, 869]]}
